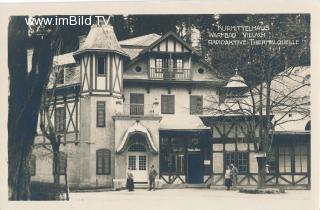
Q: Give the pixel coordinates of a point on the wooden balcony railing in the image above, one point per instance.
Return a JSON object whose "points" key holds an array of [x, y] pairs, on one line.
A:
{"points": [[170, 73]]}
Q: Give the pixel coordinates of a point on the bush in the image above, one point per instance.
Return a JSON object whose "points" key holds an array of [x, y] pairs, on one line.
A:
{"points": [[43, 191]]}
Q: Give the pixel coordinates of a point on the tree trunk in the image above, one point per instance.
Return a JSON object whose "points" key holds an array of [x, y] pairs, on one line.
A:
{"points": [[56, 171], [24, 103], [261, 172]]}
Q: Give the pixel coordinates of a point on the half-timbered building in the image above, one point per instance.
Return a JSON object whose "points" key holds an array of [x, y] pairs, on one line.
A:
{"points": [[122, 106]]}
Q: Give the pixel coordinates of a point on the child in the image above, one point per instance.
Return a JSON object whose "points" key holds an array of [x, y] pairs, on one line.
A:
{"points": [[227, 177]]}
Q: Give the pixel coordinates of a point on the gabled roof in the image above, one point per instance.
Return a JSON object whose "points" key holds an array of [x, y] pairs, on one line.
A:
{"points": [[144, 40], [170, 33], [63, 59], [101, 38]]}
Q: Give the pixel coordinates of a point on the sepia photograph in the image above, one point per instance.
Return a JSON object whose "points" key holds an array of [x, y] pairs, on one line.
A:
{"points": [[137, 108]]}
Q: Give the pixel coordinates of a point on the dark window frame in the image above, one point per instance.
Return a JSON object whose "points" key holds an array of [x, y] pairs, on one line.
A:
{"points": [[102, 112], [235, 160], [63, 163], [103, 155], [59, 126], [137, 108], [194, 108], [167, 107], [104, 62], [284, 157]]}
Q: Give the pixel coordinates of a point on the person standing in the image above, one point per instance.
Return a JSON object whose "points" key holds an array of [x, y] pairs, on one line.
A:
{"points": [[234, 174], [227, 178], [130, 182], [152, 177]]}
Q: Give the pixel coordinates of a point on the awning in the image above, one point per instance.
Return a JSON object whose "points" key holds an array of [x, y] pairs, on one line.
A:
{"points": [[140, 129], [183, 122]]}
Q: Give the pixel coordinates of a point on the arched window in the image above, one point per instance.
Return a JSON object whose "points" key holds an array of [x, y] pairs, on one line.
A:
{"points": [[32, 165], [137, 147], [103, 162]]}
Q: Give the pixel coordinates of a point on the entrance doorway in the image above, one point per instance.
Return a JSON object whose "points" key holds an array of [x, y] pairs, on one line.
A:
{"points": [[195, 169], [137, 162]]}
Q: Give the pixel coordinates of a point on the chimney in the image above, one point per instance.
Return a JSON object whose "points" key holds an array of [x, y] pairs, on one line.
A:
{"points": [[82, 39]]}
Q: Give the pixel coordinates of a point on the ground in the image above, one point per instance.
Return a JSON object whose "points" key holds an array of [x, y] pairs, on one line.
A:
{"points": [[198, 199]]}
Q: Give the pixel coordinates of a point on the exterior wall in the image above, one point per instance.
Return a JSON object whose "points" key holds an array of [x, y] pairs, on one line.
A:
{"points": [[182, 96], [121, 126], [93, 138], [44, 161]]}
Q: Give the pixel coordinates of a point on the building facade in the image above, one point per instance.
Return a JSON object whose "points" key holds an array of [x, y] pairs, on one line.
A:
{"points": [[122, 106]]}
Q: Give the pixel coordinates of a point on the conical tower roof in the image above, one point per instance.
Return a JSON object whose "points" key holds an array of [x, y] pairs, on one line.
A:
{"points": [[101, 38], [236, 81]]}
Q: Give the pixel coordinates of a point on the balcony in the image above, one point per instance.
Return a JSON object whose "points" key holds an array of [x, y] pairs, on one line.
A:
{"points": [[136, 110], [170, 73]]}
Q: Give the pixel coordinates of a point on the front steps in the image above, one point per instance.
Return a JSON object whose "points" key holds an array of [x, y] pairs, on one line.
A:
{"points": [[181, 186]]}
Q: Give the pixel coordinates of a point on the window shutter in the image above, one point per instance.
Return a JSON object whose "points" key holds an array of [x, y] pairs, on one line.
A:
{"points": [[164, 102], [101, 114], [99, 162], [106, 158], [171, 104], [167, 104], [103, 161]]}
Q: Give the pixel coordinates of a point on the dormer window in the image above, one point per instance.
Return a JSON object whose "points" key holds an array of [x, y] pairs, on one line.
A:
{"points": [[101, 65]]}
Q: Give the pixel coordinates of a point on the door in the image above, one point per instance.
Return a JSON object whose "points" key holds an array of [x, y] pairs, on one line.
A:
{"points": [[137, 165], [195, 169]]}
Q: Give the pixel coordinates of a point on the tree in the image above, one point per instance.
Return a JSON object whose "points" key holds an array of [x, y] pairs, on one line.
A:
{"points": [[263, 66], [26, 90], [49, 130], [24, 101]]}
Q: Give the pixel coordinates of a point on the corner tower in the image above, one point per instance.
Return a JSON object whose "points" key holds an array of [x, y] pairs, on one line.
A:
{"points": [[101, 66]]}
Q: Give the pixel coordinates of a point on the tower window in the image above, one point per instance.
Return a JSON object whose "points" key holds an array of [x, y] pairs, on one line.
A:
{"points": [[101, 65]]}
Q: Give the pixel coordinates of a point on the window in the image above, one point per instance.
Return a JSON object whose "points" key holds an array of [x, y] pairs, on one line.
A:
{"points": [[243, 162], [103, 162], [167, 104], [196, 105], [178, 65], [301, 159], [101, 114], [179, 163], [138, 69], [62, 163], [60, 119], [131, 162], [136, 104], [158, 65], [284, 159], [32, 165], [137, 147], [101, 65], [200, 70], [142, 162], [239, 159], [60, 76]]}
